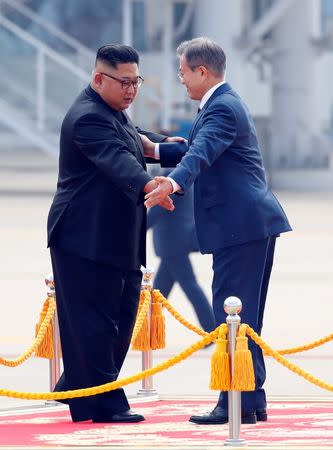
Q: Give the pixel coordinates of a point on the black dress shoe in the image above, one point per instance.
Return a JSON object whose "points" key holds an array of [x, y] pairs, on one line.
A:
{"points": [[80, 418], [220, 416], [261, 415], [125, 416]]}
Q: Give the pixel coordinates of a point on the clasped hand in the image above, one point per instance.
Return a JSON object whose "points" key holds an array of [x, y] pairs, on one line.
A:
{"points": [[162, 200], [159, 189], [160, 195]]}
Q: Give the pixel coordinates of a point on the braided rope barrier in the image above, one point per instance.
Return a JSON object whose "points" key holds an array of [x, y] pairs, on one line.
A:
{"points": [[207, 338], [289, 365], [38, 339], [158, 297], [142, 314], [303, 348], [118, 383]]}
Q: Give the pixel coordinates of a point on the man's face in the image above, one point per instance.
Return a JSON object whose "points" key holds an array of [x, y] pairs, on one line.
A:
{"points": [[192, 79], [117, 87]]}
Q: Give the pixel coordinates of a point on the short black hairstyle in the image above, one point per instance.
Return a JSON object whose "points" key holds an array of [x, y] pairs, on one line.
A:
{"points": [[114, 54]]}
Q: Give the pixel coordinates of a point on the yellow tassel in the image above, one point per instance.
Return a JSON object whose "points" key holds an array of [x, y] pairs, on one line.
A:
{"points": [[220, 366], [46, 347], [142, 340], [157, 327], [243, 379]]}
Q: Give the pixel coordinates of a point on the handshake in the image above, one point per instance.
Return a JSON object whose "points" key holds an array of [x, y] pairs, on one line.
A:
{"points": [[157, 193], [159, 189]]}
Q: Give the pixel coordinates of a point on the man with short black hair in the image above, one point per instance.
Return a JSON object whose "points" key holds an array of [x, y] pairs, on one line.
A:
{"points": [[97, 234]]}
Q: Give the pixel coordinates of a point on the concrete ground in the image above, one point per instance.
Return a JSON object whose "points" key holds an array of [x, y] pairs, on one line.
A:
{"points": [[299, 307]]}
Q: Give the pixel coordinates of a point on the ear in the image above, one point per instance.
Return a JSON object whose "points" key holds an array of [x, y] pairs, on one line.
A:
{"points": [[97, 77], [203, 71]]}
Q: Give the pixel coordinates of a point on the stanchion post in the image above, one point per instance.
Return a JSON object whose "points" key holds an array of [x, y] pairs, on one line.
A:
{"points": [[55, 361], [232, 307], [147, 357]]}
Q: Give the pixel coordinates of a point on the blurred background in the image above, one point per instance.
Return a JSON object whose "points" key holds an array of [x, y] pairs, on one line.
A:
{"points": [[279, 59]]}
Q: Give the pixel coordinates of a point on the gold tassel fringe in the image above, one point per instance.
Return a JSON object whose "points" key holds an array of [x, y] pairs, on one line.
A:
{"points": [[243, 379], [46, 347], [157, 327], [220, 378], [142, 340]]}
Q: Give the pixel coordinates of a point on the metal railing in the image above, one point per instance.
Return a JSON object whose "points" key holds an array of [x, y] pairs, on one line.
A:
{"points": [[39, 95], [58, 35]]}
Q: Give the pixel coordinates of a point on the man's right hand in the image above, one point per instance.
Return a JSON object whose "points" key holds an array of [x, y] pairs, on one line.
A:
{"points": [[166, 202], [148, 146]]}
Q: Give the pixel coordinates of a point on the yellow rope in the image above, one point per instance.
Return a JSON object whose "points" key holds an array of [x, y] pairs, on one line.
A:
{"points": [[303, 348], [142, 313], [115, 384], [289, 365], [158, 297], [38, 339]]}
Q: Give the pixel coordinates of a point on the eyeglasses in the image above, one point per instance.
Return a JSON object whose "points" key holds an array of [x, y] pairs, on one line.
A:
{"points": [[126, 84], [182, 75]]}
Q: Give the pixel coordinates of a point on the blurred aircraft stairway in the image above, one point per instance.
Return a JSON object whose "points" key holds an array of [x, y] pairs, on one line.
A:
{"points": [[42, 69]]}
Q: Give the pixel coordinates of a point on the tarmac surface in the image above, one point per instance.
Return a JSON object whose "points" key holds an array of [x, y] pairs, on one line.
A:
{"points": [[299, 306]]}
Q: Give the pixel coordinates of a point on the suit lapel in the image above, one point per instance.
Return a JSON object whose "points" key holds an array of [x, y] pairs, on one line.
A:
{"points": [[193, 125], [123, 118], [220, 90], [131, 130]]}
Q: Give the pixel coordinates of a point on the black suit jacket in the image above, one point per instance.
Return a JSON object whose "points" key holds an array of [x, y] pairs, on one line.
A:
{"points": [[98, 212]]}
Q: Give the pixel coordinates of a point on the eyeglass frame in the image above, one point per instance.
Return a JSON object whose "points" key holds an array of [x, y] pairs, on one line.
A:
{"points": [[181, 76], [126, 84]]}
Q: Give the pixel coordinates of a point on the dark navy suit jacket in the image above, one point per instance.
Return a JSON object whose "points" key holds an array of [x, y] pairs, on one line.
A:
{"points": [[232, 202]]}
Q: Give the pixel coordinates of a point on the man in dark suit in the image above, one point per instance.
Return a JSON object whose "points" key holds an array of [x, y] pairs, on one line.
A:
{"points": [[96, 234], [237, 217], [174, 238]]}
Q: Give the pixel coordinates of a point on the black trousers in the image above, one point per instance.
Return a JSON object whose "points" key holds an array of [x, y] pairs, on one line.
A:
{"points": [[244, 271], [97, 305]]}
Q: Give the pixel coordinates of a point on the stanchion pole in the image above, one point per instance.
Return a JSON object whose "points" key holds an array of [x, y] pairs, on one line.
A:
{"points": [[232, 307], [147, 357], [55, 361]]}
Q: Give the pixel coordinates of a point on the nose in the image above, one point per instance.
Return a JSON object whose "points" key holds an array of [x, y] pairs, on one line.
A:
{"points": [[131, 88]]}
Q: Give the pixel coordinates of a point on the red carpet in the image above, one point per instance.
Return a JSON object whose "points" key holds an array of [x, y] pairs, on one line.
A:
{"points": [[166, 424]]}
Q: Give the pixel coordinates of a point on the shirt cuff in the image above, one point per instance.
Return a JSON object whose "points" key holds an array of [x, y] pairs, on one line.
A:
{"points": [[157, 151], [175, 185]]}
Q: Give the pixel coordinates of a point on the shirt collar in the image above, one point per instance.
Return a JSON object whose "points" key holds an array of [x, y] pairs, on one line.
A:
{"points": [[209, 93]]}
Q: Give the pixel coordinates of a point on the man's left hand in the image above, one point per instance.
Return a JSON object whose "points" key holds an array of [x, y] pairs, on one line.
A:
{"points": [[175, 139], [160, 193]]}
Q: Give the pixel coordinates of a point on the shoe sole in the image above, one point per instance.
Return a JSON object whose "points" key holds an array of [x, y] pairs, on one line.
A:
{"points": [[261, 417], [244, 421], [117, 421], [211, 422], [248, 420]]}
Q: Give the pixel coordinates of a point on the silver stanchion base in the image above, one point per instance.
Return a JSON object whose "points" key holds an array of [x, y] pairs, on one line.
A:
{"points": [[53, 403], [146, 392], [235, 443]]}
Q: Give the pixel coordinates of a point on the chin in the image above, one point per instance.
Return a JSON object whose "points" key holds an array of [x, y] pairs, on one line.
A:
{"points": [[191, 95]]}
